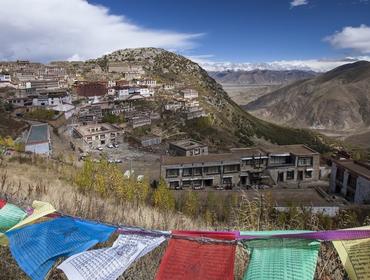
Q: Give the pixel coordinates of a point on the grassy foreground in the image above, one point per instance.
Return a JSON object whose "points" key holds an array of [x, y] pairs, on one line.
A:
{"points": [[23, 180]]}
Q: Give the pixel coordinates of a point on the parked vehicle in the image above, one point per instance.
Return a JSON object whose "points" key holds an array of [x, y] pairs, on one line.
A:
{"points": [[99, 148], [110, 146]]}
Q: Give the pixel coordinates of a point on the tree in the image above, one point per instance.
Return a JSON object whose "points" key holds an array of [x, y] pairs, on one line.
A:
{"points": [[191, 206], [163, 197], [84, 179]]}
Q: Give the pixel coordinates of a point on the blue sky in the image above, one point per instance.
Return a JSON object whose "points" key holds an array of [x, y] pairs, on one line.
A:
{"points": [[254, 31], [313, 34]]}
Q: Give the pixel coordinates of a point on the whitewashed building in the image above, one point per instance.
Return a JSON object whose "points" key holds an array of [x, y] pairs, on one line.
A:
{"points": [[351, 179], [38, 139]]}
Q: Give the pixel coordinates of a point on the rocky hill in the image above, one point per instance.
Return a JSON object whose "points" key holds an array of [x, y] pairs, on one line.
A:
{"points": [[261, 77], [338, 100], [228, 125]]}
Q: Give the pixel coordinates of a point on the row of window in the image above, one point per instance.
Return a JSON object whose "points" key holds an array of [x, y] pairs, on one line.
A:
{"points": [[102, 136], [198, 171], [291, 174]]}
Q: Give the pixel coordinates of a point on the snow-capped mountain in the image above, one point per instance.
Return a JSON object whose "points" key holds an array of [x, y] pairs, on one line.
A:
{"points": [[305, 65]]}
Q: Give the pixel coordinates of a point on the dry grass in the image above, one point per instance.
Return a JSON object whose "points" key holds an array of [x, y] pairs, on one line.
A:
{"points": [[23, 183], [50, 181]]}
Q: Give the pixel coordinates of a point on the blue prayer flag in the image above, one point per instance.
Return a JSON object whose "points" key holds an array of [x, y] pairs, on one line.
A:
{"points": [[37, 247]]}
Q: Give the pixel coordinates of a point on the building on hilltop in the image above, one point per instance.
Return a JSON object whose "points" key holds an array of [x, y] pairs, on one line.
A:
{"points": [[96, 135], [351, 179], [187, 148], [148, 140], [40, 85], [189, 94], [38, 140], [90, 89], [90, 114], [242, 167]]}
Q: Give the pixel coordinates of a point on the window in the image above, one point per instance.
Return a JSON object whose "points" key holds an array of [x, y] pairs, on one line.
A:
{"points": [[248, 162], [352, 181], [89, 138], [196, 151], [170, 173], [340, 174], [308, 174], [102, 136], [231, 168], [186, 172], [276, 160], [186, 183], [305, 161], [174, 185], [197, 171], [290, 175], [212, 170]]}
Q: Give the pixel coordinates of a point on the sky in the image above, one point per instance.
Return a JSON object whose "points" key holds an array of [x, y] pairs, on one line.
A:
{"points": [[316, 34]]}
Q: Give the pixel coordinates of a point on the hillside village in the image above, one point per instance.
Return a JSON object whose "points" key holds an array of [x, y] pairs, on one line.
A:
{"points": [[152, 122]]}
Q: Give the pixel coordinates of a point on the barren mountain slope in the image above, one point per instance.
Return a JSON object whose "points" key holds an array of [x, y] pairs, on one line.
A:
{"points": [[337, 100]]}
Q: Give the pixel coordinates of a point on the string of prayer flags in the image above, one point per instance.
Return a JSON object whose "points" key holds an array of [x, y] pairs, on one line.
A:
{"points": [[191, 259], [324, 235], [355, 256], [40, 209], [36, 247], [10, 215], [2, 203], [109, 263], [281, 259]]}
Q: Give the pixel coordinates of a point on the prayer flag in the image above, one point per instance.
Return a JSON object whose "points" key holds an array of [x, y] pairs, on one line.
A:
{"points": [[40, 209], [109, 263], [355, 256], [191, 259], [281, 259], [10, 215], [38, 246]]}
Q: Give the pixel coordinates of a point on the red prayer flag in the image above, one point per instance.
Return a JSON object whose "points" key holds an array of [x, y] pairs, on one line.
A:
{"points": [[188, 259], [2, 203]]}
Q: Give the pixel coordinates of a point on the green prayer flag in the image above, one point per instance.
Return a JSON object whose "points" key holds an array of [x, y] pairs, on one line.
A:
{"points": [[281, 259], [273, 232], [10, 215]]}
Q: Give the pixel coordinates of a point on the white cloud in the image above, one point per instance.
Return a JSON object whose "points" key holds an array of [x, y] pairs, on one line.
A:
{"points": [[60, 29], [296, 3], [317, 65], [355, 38]]}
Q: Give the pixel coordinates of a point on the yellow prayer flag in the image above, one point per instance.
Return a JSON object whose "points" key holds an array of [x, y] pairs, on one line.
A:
{"points": [[355, 256]]}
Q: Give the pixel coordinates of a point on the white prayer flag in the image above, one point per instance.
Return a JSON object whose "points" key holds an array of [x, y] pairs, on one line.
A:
{"points": [[109, 263]]}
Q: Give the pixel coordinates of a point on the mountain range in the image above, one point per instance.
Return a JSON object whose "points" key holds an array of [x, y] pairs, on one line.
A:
{"points": [[316, 65], [261, 77], [338, 100]]}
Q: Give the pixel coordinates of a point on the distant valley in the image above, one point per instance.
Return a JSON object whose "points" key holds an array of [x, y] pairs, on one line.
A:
{"points": [[246, 86]]}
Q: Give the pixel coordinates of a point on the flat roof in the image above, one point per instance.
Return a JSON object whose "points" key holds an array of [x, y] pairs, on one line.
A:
{"points": [[85, 129], [187, 144], [39, 133], [362, 170], [299, 149]]}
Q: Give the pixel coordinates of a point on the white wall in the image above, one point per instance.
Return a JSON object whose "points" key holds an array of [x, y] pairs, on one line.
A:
{"points": [[41, 148]]}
